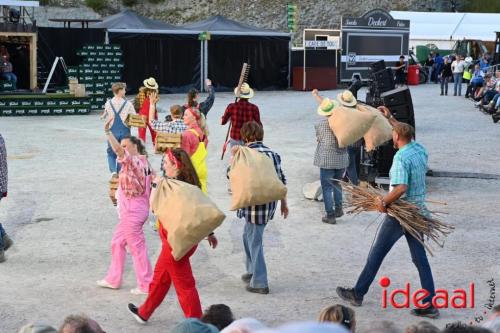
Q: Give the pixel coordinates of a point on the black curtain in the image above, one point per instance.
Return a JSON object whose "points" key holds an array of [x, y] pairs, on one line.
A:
{"points": [[267, 56], [173, 60], [64, 42]]}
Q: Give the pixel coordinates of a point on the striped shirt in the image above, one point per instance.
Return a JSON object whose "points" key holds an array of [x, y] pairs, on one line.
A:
{"points": [[409, 167], [261, 214]]}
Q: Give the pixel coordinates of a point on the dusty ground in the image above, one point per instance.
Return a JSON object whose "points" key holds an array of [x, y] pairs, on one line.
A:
{"points": [[61, 219]]}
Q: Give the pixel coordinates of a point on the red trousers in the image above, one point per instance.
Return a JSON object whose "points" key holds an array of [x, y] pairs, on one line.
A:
{"points": [[144, 111], [168, 271]]}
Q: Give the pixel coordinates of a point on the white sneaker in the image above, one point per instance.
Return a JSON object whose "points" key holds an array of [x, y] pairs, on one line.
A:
{"points": [[105, 284], [137, 291]]}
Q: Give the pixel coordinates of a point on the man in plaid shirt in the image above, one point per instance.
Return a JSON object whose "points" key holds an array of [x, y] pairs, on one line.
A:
{"points": [[407, 178], [5, 241], [239, 113], [175, 126], [256, 217], [331, 160]]}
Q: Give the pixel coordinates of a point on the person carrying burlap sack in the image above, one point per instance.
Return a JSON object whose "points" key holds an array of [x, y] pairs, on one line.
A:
{"points": [[331, 160], [170, 270], [257, 217], [142, 102]]}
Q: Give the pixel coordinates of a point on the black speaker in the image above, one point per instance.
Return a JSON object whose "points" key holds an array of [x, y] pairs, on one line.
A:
{"points": [[377, 66], [384, 80], [383, 158], [398, 96]]}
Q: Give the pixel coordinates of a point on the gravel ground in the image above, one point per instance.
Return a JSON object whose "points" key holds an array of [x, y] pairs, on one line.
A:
{"points": [[61, 219]]}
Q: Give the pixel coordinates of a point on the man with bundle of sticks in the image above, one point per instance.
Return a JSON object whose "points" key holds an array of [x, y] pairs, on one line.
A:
{"points": [[407, 178]]}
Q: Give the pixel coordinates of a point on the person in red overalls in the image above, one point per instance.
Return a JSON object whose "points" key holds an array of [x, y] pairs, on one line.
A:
{"points": [[177, 164], [142, 101]]}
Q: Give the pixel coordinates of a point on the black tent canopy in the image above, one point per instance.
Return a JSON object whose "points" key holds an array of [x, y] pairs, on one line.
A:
{"points": [[179, 61]]}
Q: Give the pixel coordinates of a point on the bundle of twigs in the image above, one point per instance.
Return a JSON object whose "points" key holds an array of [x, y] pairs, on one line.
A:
{"points": [[408, 215]]}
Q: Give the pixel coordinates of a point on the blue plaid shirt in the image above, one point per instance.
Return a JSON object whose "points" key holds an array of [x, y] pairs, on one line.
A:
{"points": [[409, 167], [174, 126], [261, 214]]}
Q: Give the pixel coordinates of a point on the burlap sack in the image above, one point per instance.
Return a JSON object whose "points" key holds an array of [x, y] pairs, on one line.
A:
{"points": [[253, 179], [186, 213], [349, 125], [381, 130]]}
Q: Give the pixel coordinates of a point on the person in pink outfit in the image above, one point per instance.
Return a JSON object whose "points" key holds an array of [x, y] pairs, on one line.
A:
{"points": [[133, 211]]}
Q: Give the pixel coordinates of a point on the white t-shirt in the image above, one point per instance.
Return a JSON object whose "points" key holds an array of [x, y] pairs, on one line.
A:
{"points": [[458, 66]]}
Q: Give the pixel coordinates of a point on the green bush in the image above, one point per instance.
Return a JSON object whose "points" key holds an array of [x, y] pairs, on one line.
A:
{"points": [[96, 5], [482, 6], [129, 3]]}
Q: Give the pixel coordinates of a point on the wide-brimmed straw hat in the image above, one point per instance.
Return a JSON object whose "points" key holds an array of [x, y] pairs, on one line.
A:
{"points": [[326, 107], [245, 91], [150, 83], [346, 98]]}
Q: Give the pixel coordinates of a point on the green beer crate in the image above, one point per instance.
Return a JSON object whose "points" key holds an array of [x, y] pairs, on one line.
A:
{"points": [[93, 53], [13, 103], [38, 102], [82, 53], [73, 71], [86, 71], [44, 111], [7, 111], [27, 103], [32, 111], [58, 110], [99, 47], [86, 65], [19, 112], [3, 102], [89, 47]]}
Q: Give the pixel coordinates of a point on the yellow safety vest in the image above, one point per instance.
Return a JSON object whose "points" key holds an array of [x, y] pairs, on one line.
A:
{"points": [[199, 160]]}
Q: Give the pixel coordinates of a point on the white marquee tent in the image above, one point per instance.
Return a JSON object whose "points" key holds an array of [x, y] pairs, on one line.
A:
{"points": [[444, 29]]}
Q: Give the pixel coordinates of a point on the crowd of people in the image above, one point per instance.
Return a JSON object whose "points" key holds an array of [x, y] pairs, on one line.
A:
{"points": [[481, 78], [138, 184], [332, 319]]}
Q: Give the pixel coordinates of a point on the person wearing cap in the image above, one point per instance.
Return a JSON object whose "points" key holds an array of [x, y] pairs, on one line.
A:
{"points": [[150, 86], [407, 182], [117, 108], [240, 112], [330, 158]]}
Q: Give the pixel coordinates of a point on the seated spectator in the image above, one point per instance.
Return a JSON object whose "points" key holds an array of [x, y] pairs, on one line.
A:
{"points": [[494, 103], [422, 327], [194, 325], [37, 328], [308, 327], [339, 314], [493, 322], [459, 327], [6, 70], [485, 90], [476, 81], [244, 325], [80, 324], [219, 315]]}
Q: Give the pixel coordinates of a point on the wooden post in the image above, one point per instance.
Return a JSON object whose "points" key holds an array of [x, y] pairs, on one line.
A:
{"points": [[33, 62]]}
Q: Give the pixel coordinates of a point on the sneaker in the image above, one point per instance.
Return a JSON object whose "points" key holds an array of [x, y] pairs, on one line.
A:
{"points": [[137, 291], [339, 212], [135, 313], [105, 284], [349, 295], [329, 219], [263, 291], [495, 117], [432, 313], [7, 242], [2, 256]]}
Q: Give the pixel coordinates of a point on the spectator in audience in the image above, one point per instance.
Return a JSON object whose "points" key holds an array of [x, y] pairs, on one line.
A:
{"points": [[37, 328], [80, 324], [6, 70], [422, 327], [244, 325], [485, 90], [494, 95], [219, 315], [194, 325], [484, 63], [459, 327], [476, 81], [438, 63], [429, 65], [343, 315], [400, 71], [457, 67], [383, 326], [493, 322], [444, 75], [307, 327]]}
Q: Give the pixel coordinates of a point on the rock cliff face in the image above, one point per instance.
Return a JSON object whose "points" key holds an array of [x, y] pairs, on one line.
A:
{"points": [[269, 14]]}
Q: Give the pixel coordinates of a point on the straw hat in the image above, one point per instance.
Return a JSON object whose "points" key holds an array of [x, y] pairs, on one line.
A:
{"points": [[326, 107], [150, 83], [346, 98], [245, 91]]}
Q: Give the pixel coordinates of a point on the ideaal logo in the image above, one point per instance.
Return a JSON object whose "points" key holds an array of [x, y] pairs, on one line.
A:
{"points": [[458, 299]]}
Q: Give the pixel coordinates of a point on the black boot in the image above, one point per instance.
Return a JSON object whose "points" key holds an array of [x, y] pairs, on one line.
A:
{"points": [[496, 117]]}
